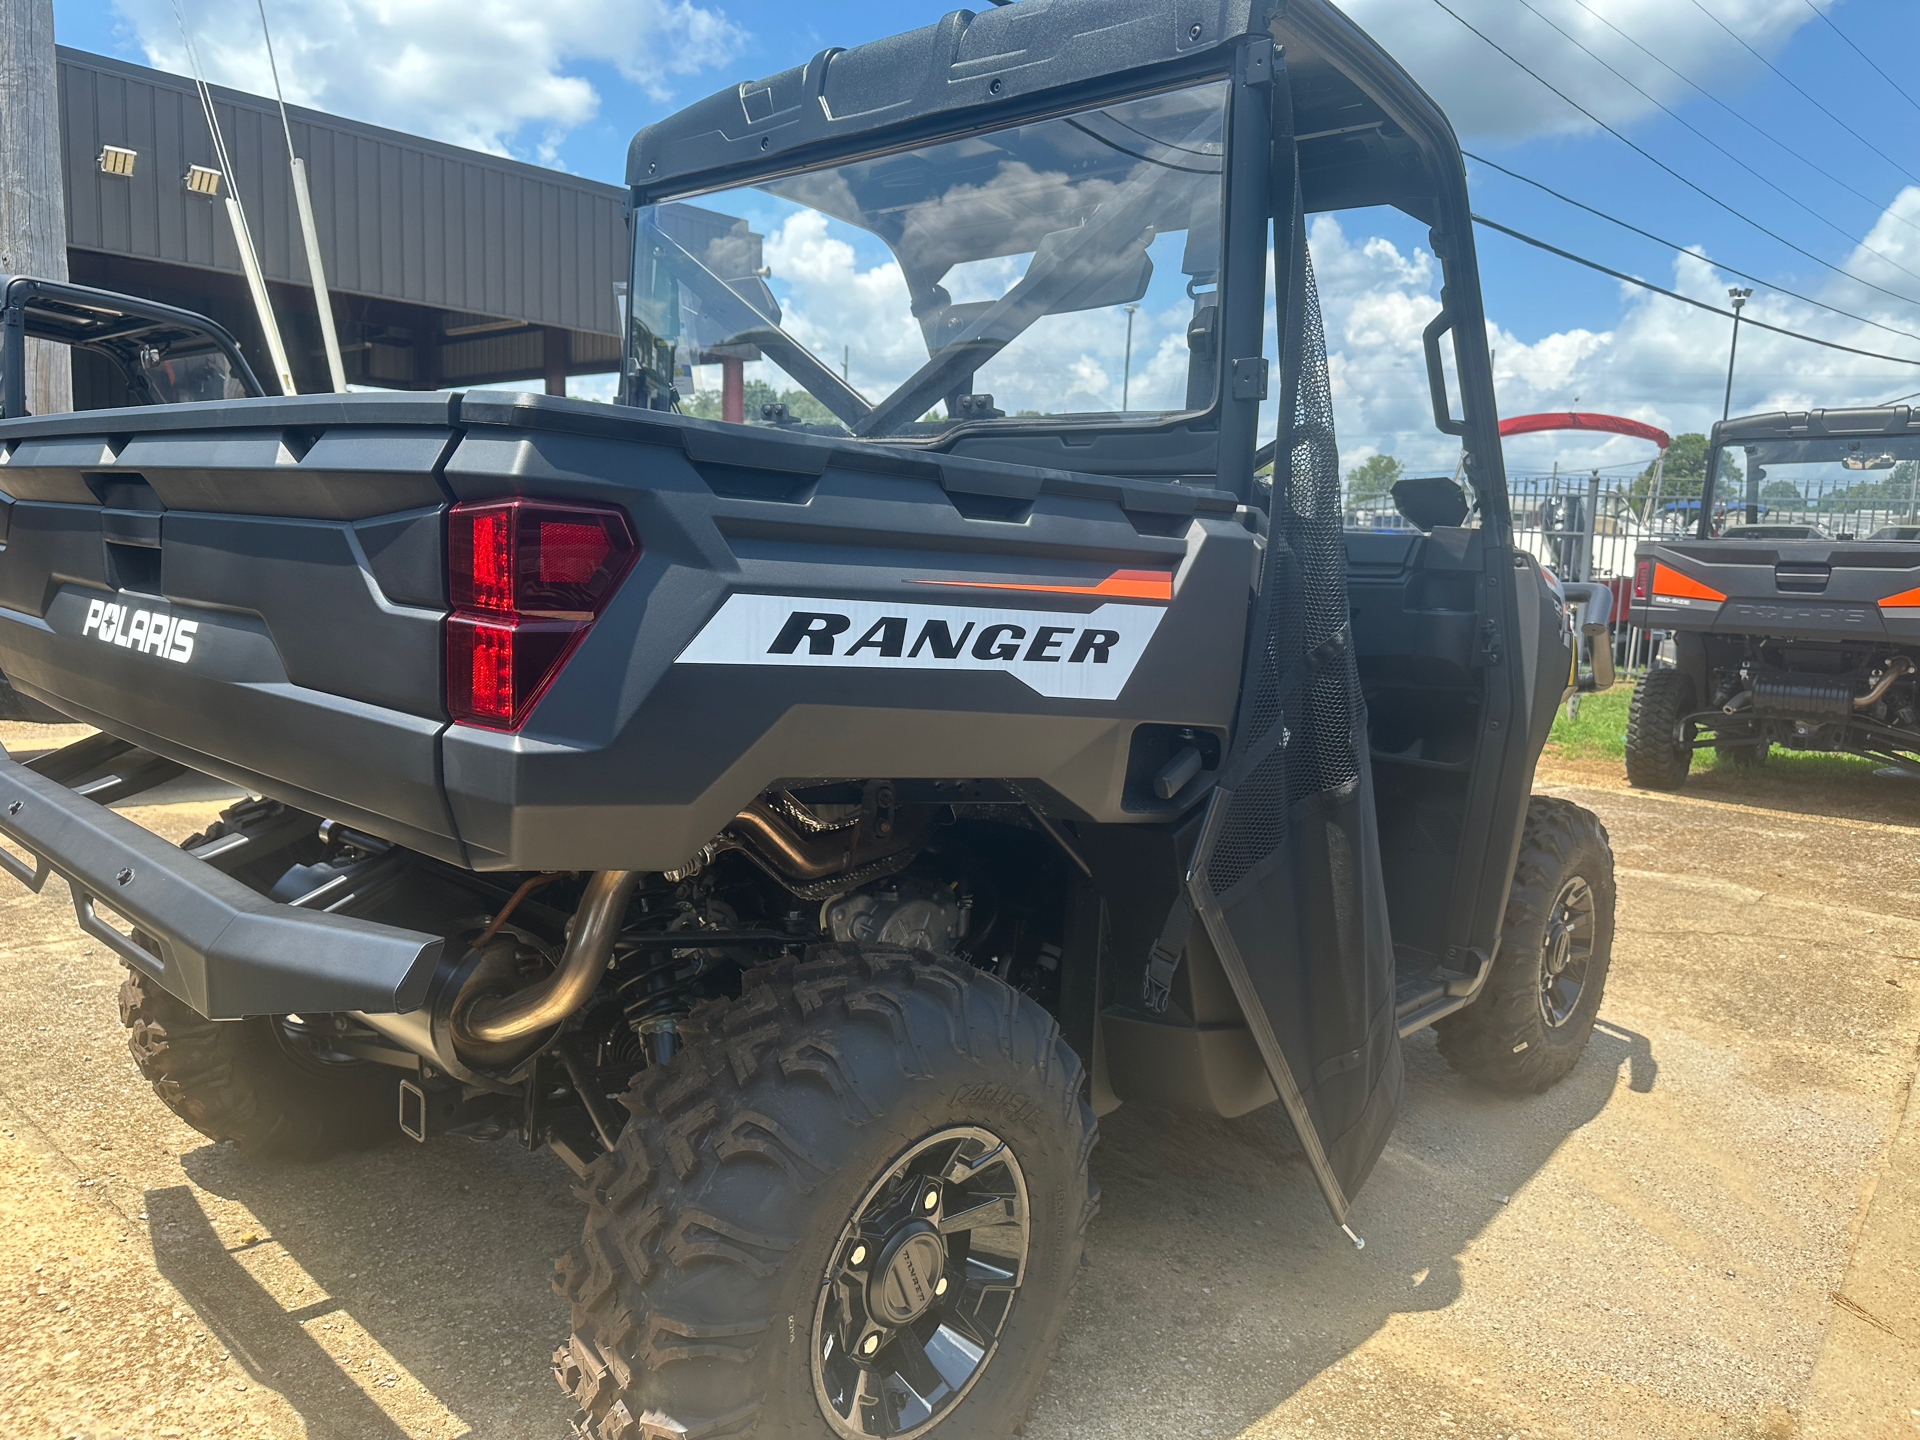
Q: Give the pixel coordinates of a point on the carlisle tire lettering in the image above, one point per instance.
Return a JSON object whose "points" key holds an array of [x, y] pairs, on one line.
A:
{"points": [[151, 632], [1059, 653]]}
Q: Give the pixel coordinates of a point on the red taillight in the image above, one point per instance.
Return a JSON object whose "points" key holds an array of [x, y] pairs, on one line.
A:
{"points": [[1643, 579], [527, 578]]}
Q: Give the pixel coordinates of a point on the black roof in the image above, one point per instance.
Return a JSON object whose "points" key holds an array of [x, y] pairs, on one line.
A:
{"points": [[1806, 424], [1351, 101]]}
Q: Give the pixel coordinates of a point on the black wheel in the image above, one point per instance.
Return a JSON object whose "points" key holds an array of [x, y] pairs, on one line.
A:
{"points": [[853, 1205], [1658, 753], [268, 1084], [1527, 1028], [271, 1084]]}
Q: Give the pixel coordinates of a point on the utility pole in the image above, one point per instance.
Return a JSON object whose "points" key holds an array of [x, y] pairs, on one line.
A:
{"points": [[1739, 299], [1126, 375], [33, 215]]}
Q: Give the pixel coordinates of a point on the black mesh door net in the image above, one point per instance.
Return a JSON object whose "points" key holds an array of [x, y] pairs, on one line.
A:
{"points": [[1289, 880]]}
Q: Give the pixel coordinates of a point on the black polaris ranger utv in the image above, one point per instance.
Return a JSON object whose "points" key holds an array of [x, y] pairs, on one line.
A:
{"points": [[807, 827], [1787, 634]]}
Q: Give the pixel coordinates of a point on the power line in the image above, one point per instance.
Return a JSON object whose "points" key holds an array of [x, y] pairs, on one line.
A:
{"points": [[1771, 185], [1652, 159], [1862, 54], [1684, 250], [1878, 207], [1804, 96], [1621, 275]]}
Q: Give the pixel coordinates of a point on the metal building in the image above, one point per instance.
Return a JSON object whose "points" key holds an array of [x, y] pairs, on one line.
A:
{"points": [[447, 266]]}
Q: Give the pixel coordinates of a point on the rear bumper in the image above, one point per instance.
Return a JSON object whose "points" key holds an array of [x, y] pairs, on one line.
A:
{"points": [[221, 947]]}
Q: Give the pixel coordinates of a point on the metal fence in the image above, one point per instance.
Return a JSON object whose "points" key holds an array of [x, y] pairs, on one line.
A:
{"points": [[1581, 527], [1588, 527]]}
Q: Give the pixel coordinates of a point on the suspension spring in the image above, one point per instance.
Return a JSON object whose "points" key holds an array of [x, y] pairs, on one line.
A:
{"points": [[656, 988]]}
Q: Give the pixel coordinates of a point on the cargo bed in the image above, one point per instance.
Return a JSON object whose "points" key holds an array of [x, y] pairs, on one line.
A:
{"points": [[258, 589]]}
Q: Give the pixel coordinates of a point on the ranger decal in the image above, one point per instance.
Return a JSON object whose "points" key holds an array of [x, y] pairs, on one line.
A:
{"points": [[1079, 657], [151, 632]]}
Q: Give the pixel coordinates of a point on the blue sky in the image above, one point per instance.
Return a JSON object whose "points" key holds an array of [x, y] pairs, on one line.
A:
{"points": [[568, 82]]}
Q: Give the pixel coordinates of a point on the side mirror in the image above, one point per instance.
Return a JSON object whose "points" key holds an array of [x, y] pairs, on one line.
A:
{"points": [[1430, 502]]}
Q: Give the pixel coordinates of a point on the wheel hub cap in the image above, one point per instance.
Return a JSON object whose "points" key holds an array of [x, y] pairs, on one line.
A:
{"points": [[1565, 951], [902, 1287], [920, 1285]]}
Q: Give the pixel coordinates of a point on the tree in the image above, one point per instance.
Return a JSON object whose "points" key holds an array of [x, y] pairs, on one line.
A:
{"points": [[1684, 474], [801, 405], [1780, 490], [1905, 481], [1895, 492], [1372, 478]]}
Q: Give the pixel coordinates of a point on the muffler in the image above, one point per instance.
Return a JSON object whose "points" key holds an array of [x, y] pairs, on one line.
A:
{"points": [[1803, 697], [475, 1021]]}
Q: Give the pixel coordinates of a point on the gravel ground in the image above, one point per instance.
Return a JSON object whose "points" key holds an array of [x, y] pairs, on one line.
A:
{"points": [[1661, 1246]]}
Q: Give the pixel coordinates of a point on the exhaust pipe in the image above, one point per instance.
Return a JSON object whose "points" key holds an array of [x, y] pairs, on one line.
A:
{"points": [[1896, 667], [467, 1022], [495, 1020]]}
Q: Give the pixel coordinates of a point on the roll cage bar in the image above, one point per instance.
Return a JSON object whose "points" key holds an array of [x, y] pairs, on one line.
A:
{"points": [[107, 323]]}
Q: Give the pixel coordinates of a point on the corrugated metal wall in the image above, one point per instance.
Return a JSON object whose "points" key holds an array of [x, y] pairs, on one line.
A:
{"points": [[400, 218]]}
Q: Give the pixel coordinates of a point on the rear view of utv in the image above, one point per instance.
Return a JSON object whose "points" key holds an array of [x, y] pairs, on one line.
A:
{"points": [[1785, 634], [806, 827]]}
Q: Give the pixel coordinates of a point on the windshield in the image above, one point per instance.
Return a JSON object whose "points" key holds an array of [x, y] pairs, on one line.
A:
{"points": [[1067, 267], [1829, 487]]}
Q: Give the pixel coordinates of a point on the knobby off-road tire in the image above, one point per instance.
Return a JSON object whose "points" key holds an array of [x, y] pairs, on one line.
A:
{"points": [[253, 1082], [1656, 757], [712, 1225], [1526, 1030], [244, 1080]]}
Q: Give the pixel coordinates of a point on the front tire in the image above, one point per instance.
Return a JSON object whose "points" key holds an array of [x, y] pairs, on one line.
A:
{"points": [[1658, 750], [854, 1203], [1526, 1030]]}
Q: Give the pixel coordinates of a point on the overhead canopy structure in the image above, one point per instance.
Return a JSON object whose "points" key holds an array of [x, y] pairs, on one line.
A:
{"points": [[448, 267], [1583, 420]]}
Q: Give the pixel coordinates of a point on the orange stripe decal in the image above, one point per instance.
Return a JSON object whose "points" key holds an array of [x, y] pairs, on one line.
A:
{"points": [[1126, 584], [1668, 581], [1905, 598]]}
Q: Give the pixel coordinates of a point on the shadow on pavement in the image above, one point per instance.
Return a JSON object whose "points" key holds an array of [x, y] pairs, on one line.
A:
{"points": [[1213, 1246], [1217, 1280], [268, 1339], [1642, 1068], [443, 1253]]}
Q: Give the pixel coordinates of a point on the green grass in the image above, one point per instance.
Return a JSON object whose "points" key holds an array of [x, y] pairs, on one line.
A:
{"points": [[1600, 733], [1601, 729]]}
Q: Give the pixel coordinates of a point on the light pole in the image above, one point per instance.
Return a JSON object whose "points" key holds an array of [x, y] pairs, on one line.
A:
{"points": [[1739, 299], [1126, 375]]}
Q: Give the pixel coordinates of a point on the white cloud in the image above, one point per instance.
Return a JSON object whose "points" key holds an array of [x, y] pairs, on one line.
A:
{"points": [[490, 74], [1488, 98], [1662, 362], [1075, 362], [839, 310]]}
